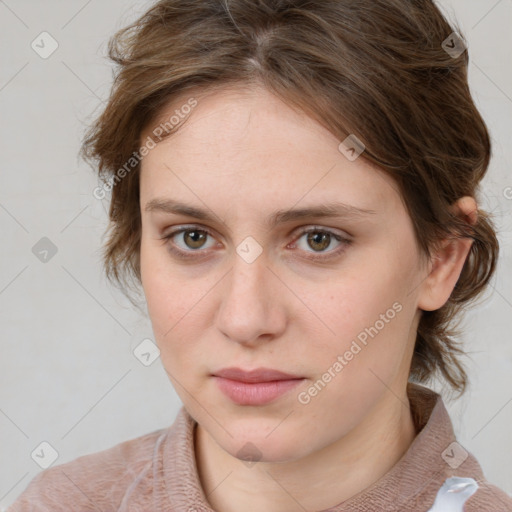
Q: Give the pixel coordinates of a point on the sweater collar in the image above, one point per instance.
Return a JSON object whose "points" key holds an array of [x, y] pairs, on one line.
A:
{"points": [[420, 464]]}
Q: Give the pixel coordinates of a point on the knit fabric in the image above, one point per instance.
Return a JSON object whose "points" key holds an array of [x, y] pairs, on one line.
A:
{"points": [[157, 472]]}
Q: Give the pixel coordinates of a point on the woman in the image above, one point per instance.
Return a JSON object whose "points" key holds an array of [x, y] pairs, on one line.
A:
{"points": [[294, 192]]}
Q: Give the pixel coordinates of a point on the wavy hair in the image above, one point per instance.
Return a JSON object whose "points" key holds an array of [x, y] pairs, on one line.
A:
{"points": [[374, 68]]}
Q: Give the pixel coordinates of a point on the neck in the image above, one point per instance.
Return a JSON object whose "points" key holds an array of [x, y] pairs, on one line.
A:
{"points": [[319, 481]]}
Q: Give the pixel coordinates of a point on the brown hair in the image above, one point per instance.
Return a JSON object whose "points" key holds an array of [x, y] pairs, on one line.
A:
{"points": [[374, 68]]}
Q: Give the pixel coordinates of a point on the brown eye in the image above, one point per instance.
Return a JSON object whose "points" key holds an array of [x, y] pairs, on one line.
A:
{"points": [[194, 238], [316, 241], [186, 242], [319, 240]]}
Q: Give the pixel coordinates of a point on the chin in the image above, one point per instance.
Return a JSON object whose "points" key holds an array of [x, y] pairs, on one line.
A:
{"points": [[276, 448]]}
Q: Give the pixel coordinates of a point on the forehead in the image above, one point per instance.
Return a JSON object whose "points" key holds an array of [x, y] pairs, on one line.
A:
{"points": [[242, 140]]}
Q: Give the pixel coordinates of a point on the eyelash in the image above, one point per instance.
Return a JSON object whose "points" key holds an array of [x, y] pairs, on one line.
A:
{"points": [[186, 255]]}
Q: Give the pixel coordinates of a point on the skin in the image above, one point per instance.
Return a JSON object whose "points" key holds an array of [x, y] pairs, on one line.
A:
{"points": [[242, 154]]}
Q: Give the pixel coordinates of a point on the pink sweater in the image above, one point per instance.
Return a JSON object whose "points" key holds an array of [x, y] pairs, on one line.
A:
{"points": [[157, 472]]}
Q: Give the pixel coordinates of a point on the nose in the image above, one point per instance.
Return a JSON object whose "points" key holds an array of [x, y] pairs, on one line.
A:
{"points": [[252, 309]]}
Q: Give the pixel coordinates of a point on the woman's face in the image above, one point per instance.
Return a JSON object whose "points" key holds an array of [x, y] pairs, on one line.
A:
{"points": [[246, 288]]}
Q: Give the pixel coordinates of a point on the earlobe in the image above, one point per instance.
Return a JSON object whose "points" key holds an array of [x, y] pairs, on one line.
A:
{"points": [[447, 262]]}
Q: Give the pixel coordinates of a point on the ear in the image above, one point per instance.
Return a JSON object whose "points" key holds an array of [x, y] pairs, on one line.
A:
{"points": [[448, 261]]}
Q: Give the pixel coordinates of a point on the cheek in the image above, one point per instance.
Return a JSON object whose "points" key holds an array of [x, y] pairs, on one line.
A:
{"points": [[174, 303], [161, 291], [357, 301], [368, 351], [369, 312]]}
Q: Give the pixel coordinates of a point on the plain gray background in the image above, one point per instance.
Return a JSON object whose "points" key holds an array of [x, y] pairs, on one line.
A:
{"points": [[69, 375]]}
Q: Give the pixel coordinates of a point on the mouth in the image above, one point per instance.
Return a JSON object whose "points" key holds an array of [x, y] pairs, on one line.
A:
{"points": [[255, 387]]}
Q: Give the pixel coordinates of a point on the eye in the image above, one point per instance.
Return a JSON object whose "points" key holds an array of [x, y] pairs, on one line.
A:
{"points": [[192, 239], [319, 239], [186, 241]]}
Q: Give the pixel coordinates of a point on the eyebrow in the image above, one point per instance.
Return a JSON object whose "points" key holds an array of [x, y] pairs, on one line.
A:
{"points": [[334, 210]]}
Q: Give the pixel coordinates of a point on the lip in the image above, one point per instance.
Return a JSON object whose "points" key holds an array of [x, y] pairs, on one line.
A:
{"points": [[255, 387], [256, 375]]}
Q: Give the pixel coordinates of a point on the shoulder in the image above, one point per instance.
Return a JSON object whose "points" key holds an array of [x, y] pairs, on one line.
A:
{"points": [[489, 497], [96, 481]]}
